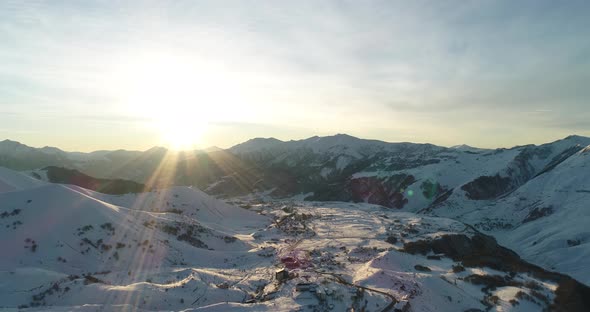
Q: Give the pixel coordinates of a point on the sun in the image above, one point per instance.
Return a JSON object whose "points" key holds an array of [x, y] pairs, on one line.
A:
{"points": [[181, 134], [177, 97]]}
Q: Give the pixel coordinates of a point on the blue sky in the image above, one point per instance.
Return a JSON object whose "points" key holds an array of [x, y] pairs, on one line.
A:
{"points": [[104, 75]]}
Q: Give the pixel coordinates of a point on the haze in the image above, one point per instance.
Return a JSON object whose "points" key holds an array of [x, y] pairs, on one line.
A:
{"points": [[105, 75]]}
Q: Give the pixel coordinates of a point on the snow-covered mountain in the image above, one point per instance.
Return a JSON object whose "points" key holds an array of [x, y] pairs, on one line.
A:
{"points": [[399, 175], [532, 198], [545, 219], [67, 248], [325, 167], [156, 165]]}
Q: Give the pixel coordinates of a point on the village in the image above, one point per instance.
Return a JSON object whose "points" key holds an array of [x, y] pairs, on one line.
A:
{"points": [[315, 277]]}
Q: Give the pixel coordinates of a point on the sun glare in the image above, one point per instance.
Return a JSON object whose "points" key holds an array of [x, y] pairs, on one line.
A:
{"points": [[179, 98]]}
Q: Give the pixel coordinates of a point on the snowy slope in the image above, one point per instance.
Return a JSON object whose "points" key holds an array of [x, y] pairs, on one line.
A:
{"points": [[494, 175], [453, 170], [533, 199], [61, 246], [186, 201], [547, 218], [398, 175], [66, 248], [14, 181], [341, 167]]}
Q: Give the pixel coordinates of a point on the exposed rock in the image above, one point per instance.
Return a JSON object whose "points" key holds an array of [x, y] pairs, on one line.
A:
{"points": [[573, 242], [391, 239], [479, 250], [538, 213], [571, 295], [487, 187], [483, 251], [422, 268]]}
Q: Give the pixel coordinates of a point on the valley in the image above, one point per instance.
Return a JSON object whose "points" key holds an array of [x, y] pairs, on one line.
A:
{"points": [[466, 230]]}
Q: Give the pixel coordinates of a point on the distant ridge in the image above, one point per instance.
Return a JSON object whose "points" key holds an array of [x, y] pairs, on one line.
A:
{"points": [[7, 144]]}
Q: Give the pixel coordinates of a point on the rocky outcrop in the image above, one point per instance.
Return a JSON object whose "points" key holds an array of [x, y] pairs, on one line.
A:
{"points": [[530, 162], [487, 187], [483, 251], [538, 213], [478, 250]]}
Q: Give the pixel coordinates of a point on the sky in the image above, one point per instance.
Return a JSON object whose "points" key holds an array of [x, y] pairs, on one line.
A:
{"points": [[90, 75]]}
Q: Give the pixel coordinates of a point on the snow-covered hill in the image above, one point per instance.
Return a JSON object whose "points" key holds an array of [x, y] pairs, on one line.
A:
{"points": [[398, 175], [546, 219], [341, 167], [68, 248], [14, 181], [533, 198], [63, 245]]}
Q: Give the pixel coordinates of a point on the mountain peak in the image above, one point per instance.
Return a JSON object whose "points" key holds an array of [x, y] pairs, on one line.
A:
{"points": [[259, 139], [335, 136], [255, 144], [13, 146], [157, 149], [51, 150], [211, 149], [333, 140], [467, 148], [11, 142], [344, 135], [575, 137]]}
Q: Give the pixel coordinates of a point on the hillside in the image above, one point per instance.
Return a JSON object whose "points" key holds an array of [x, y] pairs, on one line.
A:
{"points": [[398, 175], [545, 219], [68, 248], [74, 177], [522, 194]]}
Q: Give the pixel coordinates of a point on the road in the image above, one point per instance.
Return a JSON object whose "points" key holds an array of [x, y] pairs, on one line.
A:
{"points": [[340, 280]]}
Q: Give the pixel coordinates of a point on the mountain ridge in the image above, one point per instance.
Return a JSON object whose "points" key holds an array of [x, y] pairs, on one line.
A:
{"points": [[49, 147]]}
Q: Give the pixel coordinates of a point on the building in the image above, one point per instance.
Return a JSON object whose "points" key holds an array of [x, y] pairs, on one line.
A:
{"points": [[282, 275]]}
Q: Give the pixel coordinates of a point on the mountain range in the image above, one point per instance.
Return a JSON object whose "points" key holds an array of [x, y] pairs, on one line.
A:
{"points": [[533, 199], [398, 175]]}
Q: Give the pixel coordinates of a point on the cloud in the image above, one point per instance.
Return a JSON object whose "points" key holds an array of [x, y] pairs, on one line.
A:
{"points": [[327, 65]]}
